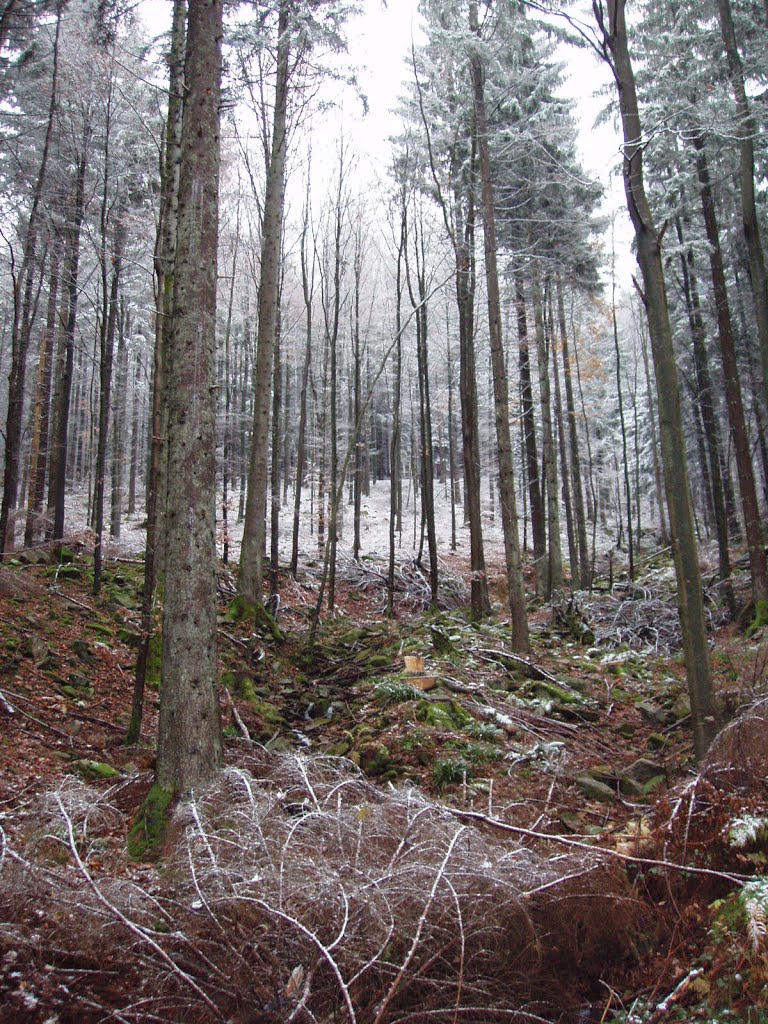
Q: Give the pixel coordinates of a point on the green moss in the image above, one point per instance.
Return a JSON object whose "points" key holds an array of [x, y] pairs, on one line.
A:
{"points": [[375, 759], [444, 715], [154, 673], [760, 618], [239, 685], [241, 610], [95, 771], [543, 689], [148, 832]]}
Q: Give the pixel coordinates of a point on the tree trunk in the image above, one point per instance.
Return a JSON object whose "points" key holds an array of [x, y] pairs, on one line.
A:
{"points": [[538, 521], [733, 397], [577, 491], [107, 348], [746, 131], [21, 330], [251, 576], [189, 747], [508, 497], [39, 456], [165, 265], [58, 477], [690, 597], [549, 458]]}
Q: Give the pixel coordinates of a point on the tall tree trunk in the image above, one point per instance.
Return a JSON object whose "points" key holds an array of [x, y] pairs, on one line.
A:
{"points": [[426, 459], [119, 431], [251, 576], [746, 131], [308, 287], [107, 348], [710, 427], [508, 497], [395, 459], [189, 749], [689, 590], [584, 576], [277, 399], [165, 266], [549, 458], [23, 286], [733, 397], [58, 476], [623, 427], [39, 456], [538, 521]]}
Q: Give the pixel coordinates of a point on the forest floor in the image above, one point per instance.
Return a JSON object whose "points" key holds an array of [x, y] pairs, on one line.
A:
{"points": [[581, 746]]}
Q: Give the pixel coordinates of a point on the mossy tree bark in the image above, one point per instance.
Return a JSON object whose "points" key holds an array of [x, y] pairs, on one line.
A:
{"points": [[165, 259], [689, 591], [189, 742]]}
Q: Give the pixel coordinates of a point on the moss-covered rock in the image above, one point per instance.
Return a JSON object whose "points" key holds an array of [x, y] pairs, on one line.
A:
{"points": [[95, 771], [375, 759], [147, 835], [241, 610], [449, 715]]}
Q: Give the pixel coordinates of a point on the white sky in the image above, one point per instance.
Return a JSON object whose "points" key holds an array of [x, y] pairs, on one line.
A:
{"points": [[379, 43]]}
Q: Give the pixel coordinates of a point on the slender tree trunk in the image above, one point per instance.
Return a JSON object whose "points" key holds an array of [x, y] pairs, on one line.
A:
{"points": [[690, 596], [120, 431], [165, 265], [733, 397], [21, 330], [39, 456], [395, 459], [584, 576], [58, 477], [623, 427], [250, 581], [538, 521], [189, 749], [277, 398], [549, 459], [508, 497], [107, 348], [308, 286], [705, 401], [746, 132]]}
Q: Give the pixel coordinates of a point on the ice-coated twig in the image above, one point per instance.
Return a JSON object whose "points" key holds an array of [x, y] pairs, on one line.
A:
{"points": [[393, 988], [135, 929]]}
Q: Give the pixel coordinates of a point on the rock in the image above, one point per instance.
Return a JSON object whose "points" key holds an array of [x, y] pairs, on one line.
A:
{"points": [[595, 790], [627, 730], [657, 741], [643, 770], [94, 771], [681, 708], [375, 759], [83, 651], [652, 713]]}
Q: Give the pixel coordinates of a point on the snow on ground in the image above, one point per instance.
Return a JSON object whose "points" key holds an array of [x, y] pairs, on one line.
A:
{"points": [[374, 526]]}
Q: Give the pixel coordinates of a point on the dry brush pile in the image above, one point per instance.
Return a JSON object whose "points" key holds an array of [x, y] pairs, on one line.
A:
{"points": [[296, 891]]}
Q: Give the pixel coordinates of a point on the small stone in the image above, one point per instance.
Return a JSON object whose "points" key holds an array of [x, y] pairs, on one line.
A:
{"points": [[595, 790]]}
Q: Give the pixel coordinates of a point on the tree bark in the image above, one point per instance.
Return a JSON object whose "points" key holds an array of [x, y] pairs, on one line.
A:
{"points": [[508, 496], [189, 748], [689, 590], [253, 550]]}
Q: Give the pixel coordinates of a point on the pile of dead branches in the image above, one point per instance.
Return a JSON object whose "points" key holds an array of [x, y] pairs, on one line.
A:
{"points": [[296, 891], [412, 589]]}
